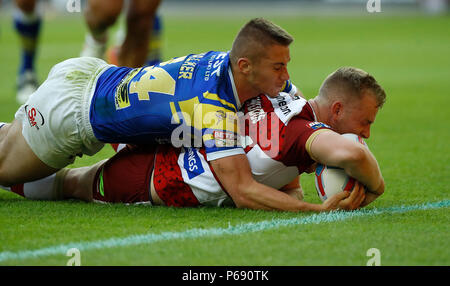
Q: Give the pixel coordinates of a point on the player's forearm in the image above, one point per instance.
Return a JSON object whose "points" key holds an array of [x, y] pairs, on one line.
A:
{"points": [[258, 196], [332, 149], [372, 196], [235, 175], [364, 168]]}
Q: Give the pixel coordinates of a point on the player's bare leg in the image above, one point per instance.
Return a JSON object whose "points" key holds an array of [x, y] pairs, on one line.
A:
{"points": [[65, 184], [99, 15], [140, 19], [18, 163], [78, 183], [27, 23], [26, 6]]}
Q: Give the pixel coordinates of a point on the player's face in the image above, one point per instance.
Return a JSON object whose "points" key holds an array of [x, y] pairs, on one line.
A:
{"points": [[357, 117], [269, 74]]}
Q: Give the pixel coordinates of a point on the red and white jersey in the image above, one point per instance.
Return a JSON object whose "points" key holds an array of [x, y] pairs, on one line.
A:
{"points": [[276, 133]]}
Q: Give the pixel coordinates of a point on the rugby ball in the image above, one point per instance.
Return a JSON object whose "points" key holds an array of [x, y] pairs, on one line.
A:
{"points": [[331, 180]]}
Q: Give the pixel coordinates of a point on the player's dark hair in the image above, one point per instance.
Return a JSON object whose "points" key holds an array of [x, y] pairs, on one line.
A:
{"points": [[352, 81], [254, 36]]}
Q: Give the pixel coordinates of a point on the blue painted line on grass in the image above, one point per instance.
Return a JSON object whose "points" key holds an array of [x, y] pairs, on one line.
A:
{"points": [[214, 232]]}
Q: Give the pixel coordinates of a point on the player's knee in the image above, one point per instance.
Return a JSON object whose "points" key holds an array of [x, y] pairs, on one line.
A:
{"points": [[108, 19], [105, 14], [26, 6], [6, 179], [142, 16], [143, 9]]}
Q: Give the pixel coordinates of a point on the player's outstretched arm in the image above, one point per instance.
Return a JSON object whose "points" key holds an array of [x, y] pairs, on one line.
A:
{"points": [[235, 175], [332, 149]]}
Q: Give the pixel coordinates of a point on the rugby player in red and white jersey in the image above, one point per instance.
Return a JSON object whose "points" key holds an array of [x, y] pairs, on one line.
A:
{"points": [[284, 137]]}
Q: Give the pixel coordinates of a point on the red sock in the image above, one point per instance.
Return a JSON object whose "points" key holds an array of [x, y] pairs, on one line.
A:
{"points": [[118, 146], [18, 189]]}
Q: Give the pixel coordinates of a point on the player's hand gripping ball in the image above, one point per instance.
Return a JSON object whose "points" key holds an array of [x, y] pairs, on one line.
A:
{"points": [[331, 180]]}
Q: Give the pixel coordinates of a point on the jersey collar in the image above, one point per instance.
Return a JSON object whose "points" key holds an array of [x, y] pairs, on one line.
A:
{"points": [[236, 97], [312, 108]]}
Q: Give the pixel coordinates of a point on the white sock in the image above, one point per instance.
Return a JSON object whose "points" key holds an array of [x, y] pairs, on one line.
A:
{"points": [[49, 188], [40, 190], [25, 17], [43, 189]]}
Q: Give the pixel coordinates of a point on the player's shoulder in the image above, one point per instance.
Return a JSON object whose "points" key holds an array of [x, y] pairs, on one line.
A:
{"points": [[217, 82], [306, 120], [285, 106], [303, 125]]}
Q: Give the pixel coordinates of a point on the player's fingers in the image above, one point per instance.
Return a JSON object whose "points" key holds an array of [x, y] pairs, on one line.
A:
{"points": [[356, 191], [343, 195], [357, 186], [337, 201], [360, 198], [363, 195], [356, 197], [357, 201]]}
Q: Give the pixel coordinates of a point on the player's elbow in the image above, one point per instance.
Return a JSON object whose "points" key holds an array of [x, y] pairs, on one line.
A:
{"points": [[380, 190], [242, 199], [241, 203], [243, 196]]}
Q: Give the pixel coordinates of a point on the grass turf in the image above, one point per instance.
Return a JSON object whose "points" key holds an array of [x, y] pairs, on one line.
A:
{"points": [[409, 57]]}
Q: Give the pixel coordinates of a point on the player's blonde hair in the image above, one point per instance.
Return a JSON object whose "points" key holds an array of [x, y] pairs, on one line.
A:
{"points": [[255, 36], [351, 81]]}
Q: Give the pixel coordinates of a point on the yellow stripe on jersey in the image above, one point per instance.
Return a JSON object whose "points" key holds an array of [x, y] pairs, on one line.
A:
{"points": [[311, 139], [172, 61], [207, 137], [205, 116], [216, 117], [155, 79], [214, 96], [187, 107]]}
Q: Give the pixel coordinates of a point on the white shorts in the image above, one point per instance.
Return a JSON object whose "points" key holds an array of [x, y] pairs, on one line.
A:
{"points": [[55, 119]]}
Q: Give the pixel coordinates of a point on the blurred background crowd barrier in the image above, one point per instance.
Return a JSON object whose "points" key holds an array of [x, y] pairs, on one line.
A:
{"points": [[269, 7]]}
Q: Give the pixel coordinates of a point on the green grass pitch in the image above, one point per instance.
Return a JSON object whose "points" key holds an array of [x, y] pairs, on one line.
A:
{"points": [[409, 55]]}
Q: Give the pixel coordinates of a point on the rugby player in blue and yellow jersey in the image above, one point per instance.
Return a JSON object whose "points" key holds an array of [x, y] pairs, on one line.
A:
{"points": [[85, 103]]}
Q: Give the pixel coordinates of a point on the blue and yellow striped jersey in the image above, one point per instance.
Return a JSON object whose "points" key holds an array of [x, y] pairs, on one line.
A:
{"points": [[189, 101]]}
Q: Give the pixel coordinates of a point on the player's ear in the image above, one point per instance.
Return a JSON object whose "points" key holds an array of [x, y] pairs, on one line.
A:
{"points": [[244, 65], [336, 109]]}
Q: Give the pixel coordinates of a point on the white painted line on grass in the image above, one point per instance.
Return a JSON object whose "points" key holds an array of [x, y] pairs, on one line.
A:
{"points": [[214, 232]]}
